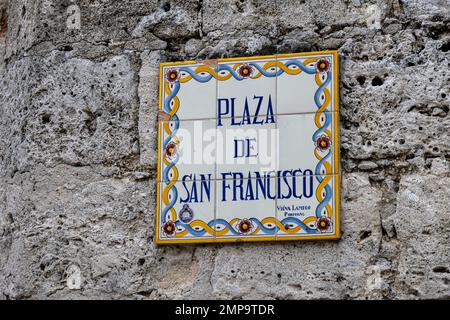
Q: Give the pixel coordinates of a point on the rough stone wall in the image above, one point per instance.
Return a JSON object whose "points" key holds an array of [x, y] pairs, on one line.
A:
{"points": [[78, 105]]}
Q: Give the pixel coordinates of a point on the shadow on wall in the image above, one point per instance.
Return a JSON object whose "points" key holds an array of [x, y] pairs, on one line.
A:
{"points": [[3, 18]]}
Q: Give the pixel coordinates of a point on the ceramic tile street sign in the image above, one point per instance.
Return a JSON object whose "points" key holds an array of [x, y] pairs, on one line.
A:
{"points": [[248, 149]]}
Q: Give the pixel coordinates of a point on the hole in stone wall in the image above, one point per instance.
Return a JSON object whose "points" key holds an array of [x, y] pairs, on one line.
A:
{"points": [[166, 7], [377, 81], [440, 269], [365, 234], [66, 48], [435, 32], [46, 117], [445, 47], [361, 80]]}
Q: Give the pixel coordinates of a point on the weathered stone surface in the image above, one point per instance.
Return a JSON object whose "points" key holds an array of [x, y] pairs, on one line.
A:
{"points": [[422, 225], [75, 111], [78, 101], [148, 91]]}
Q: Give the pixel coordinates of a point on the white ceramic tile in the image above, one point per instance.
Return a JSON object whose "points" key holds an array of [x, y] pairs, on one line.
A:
{"points": [[252, 93], [245, 208], [298, 89], [299, 141], [194, 148], [187, 210], [246, 117], [246, 148], [305, 202], [192, 93]]}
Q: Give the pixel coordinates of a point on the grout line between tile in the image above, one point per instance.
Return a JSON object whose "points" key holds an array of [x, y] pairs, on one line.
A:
{"points": [[215, 164], [277, 157], [240, 117]]}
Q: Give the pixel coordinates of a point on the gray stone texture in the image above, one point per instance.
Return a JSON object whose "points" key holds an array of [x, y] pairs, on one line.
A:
{"points": [[78, 104]]}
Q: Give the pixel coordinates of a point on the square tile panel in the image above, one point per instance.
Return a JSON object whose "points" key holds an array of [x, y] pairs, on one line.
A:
{"points": [[188, 91], [245, 208], [187, 211], [188, 149], [249, 149], [308, 206], [307, 83], [308, 143], [246, 148], [247, 89]]}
